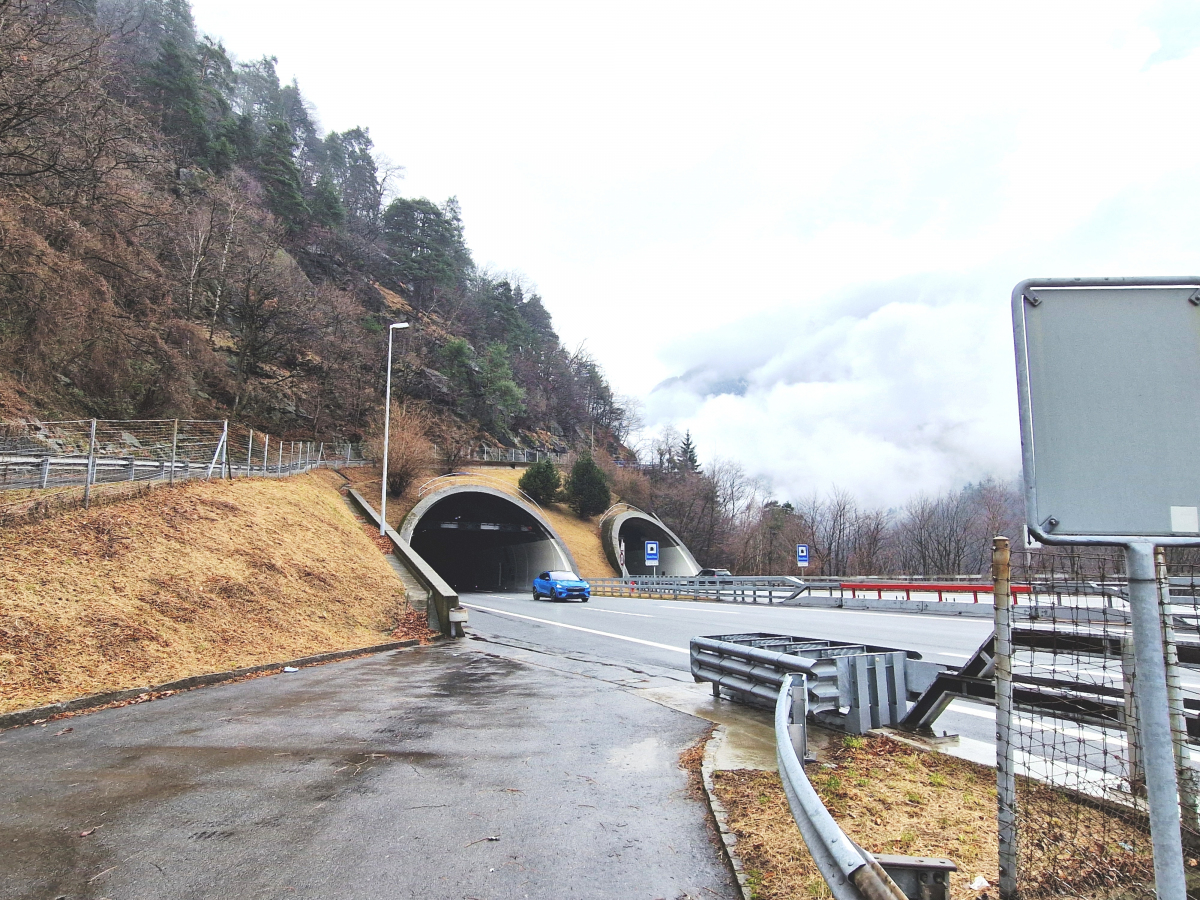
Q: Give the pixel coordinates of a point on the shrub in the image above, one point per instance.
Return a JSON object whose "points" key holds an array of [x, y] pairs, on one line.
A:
{"points": [[541, 481]]}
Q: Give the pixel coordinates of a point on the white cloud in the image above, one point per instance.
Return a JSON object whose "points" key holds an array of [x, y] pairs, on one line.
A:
{"points": [[830, 201]]}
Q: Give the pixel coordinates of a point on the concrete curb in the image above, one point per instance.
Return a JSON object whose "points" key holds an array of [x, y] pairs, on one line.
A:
{"points": [[719, 813], [39, 713]]}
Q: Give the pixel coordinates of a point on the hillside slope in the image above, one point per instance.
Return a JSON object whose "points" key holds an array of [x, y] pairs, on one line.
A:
{"points": [[196, 578]]}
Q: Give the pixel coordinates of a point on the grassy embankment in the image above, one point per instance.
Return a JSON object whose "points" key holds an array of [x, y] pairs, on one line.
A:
{"points": [[892, 798], [582, 536], [201, 577]]}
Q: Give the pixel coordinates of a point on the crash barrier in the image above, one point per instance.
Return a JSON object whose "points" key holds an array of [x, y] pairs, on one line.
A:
{"points": [[935, 598], [734, 588], [445, 613], [44, 456], [851, 687], [850, 871]]}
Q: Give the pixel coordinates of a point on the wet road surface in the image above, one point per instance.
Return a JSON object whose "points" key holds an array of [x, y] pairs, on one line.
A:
{"points": [[381, 777], [655, 633]]}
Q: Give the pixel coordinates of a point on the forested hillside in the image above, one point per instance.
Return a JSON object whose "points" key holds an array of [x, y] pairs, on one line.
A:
{"points": [[179, 237]]}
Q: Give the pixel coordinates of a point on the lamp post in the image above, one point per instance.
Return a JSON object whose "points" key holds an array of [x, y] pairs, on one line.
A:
{"points": [[387, 427]]}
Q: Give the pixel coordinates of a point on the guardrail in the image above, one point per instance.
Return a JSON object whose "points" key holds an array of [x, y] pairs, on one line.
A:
{"points": [[850, 871], [732, 588], [851, 687]]}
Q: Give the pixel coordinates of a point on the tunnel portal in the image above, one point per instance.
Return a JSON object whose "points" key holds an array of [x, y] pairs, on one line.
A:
{"points": [[625, 537], [479, 539]]}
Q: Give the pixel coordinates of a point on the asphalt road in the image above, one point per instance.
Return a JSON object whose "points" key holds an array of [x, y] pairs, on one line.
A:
{"points": [[657, 633], [449, 771]]}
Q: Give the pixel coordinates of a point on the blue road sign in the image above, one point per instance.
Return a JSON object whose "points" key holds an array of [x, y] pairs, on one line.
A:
{"points": [[802, 555], [651, 553]]}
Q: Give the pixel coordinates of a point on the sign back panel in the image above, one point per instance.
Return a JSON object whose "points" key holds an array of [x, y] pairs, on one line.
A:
{"points": [[1109, 388]]}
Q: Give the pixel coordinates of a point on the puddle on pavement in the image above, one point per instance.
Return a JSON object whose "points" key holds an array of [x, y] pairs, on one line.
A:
{"points": [[750, 733], [640, 757]]}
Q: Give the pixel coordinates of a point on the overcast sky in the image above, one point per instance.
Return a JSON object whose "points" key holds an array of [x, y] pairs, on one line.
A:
{"points": [[792, 228]]}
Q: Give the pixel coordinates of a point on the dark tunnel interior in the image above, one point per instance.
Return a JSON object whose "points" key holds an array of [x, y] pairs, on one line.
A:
{"points": [[634, 533], [481, 542]]}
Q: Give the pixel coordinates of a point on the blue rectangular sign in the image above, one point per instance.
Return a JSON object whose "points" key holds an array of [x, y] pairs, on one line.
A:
{"points": [[651, 552], [802, 554]]}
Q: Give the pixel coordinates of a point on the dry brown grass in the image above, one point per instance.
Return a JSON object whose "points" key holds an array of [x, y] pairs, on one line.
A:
{"points": [[892, 798], [888, 797], [196, 578]]}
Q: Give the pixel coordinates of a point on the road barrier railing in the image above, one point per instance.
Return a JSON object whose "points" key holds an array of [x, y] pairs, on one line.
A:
{"points": [[731, 588], [850, 871], [50, 457], [851, 687]]}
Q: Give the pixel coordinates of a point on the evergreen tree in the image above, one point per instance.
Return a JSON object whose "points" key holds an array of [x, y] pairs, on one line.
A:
{"points": [[688, 460], [175, 89], [541, 481], [280, 177], [587, 489]]}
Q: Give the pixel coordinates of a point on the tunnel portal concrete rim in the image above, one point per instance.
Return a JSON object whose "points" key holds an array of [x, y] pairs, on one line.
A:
{"points": [[611, 535], [418, 512]]}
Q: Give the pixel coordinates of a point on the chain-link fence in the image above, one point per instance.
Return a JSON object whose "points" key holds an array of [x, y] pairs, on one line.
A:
{"points": [[1080, 825], [41, 462]]}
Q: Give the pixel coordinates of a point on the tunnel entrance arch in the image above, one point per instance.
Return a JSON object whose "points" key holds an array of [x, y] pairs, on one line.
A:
{"points": [[624, 536], [482, 539]]}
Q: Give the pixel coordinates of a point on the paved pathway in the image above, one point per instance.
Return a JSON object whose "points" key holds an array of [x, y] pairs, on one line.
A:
{"points": [[440, 772]]}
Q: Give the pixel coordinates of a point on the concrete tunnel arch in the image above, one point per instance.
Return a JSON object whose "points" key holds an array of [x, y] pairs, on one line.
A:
{"points": [[632, 528], [481, 539]]}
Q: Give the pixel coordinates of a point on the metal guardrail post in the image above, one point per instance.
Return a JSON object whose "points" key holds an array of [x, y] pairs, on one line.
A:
{"points": [[279, 465], [45, 479], [1189, 806], [1006, 781], [174, 447], [250, 454], [90, 474], [1162, 787]]}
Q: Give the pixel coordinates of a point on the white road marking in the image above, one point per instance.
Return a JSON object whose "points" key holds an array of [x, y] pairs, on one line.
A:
{"points": [[675, 605], [614, 612], [619, 637], [955, 655]]}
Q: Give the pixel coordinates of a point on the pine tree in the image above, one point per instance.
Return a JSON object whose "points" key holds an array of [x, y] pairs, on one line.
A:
{"points": [[587, 489], [541, 481], [688, 460], [280, 177]]}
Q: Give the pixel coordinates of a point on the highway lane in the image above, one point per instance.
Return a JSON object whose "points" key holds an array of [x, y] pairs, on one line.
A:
{"points": [[657, 633]]}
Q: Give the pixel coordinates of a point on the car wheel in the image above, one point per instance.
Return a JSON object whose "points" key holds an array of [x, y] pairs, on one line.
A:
{"points": [[585, 599]]}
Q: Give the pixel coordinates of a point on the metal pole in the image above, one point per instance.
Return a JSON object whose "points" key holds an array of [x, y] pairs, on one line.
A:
{"points": [[1006, 781], [266, 454], [1162, 788], [249, 453], [90, 475], [225, 453], [1189, 805], [279, 465], [387, 433], [174, 448]]}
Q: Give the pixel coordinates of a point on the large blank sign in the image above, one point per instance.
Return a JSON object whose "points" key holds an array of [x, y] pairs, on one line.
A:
{"points": [[1109, 385]]}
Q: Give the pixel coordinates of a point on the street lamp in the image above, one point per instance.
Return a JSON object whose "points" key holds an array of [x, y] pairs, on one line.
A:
{"points": [[387, 427]]}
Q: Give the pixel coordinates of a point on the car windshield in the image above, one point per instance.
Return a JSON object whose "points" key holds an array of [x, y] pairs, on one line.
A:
{"points": [[564, 576]]}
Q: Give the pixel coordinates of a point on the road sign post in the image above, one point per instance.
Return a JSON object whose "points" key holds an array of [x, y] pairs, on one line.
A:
{"points": [[802, 555], [1107, 389]]}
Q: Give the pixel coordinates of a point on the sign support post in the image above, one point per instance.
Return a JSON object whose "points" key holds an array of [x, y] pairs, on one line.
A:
{"points": [[1106, 368]]}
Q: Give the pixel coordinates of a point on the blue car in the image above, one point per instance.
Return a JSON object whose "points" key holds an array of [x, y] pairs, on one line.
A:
{"points": [[561, 586]]}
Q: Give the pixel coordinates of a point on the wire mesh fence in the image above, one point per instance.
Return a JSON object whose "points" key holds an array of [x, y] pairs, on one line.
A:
{"points": [[1073, 740], [42, 463]]}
